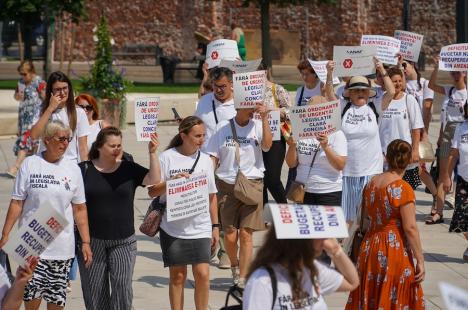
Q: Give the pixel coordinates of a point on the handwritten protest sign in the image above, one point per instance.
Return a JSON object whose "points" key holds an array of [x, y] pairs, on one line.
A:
{"points": [[320, 68], [240, 66], [37, 232], [274, 122], [410, 44], [310, 120], [454, 57], [354, 60], [146, 117], [387, 47], [221, 49], [187, 197], [454, 297], [249, 89], [293, 221]]}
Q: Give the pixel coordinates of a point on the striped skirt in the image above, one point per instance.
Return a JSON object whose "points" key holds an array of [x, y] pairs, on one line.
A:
{"points": [[352, 195]]}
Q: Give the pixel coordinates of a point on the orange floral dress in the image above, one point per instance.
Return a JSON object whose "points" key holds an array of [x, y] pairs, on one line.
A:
{"points": [[385, 264]]}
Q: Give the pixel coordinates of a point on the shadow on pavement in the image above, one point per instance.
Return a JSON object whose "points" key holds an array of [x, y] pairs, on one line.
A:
{"points": [[151, 255], [442, 258]]}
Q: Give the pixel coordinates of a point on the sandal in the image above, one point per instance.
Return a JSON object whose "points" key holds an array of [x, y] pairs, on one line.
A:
{"points": [[433, 208], [431, 221]]}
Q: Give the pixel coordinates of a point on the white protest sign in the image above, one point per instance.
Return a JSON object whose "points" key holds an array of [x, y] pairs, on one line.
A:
{"points": [[37, 232], [294, 221], [454, 57], [249, 89], [454, 297], [186, 197], [274, 122], [387, 47], [320, 68], [221, 49], [354, 60], [310, 120], [240, 66], [146, 117], [410, 44]]}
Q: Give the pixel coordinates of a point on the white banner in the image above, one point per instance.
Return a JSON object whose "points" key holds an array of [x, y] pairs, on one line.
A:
{"points": [[410, 44], [146, 117], [387, 47], [320, 68], [249, 89], [186, 197], [294, 221], [274, 122], [310, 120], [240, 66], [454, 57], [221, 49], [37, 232], [455, 298], [354, 60]]}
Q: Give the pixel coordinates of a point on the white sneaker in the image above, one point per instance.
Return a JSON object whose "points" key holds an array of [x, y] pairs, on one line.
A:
{"points": [[224, 262], [235, 275], [241, 283]]}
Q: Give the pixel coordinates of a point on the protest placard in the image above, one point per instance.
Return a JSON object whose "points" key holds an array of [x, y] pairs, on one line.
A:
{"points": [[454, 57], [221, 49], [455, 298], [240, 66], [410, 44], [146, 117], [310, 120], [186, 197], [354, 60], [249, 89], [320, 68], [297, 221], [387, 47], [37, 232], [274, 122]]}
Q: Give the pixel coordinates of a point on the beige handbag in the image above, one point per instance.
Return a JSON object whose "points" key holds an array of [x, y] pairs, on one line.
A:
{"points": [[426, 152], [296, 191], [247, 191]]}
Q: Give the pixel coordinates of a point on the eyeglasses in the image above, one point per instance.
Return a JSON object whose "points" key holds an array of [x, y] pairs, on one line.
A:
{"points": [[88, 108], [63, 139], [60, 90]]}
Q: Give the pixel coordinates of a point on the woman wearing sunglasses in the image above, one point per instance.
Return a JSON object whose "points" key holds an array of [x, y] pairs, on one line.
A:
{"points": [[89, 105]]}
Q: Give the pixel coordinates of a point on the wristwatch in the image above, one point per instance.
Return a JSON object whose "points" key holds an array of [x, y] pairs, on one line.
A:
{"points": [[215, 225]]}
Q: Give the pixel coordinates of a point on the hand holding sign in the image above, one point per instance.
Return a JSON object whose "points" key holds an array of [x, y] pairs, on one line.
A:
{"points": [[154, 143], [262, 109]]}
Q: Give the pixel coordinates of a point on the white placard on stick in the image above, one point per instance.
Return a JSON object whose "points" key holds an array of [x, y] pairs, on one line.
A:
{"points": [[310, 120], [274, 122], [410, 44], [454, 57], [186, 197], [354, 60], [221, 49], [320, 68], [240, 66], [294, 221], [455, 298], [37, 232], [146, 117], [249, 89], [387, 47]]}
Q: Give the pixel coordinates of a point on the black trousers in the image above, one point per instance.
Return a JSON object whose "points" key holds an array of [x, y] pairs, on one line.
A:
{"points": [[273, 161]]}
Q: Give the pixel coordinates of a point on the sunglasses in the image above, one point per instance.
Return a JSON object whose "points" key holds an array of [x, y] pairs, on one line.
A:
{"points": [[87, 108], [63, 139]]}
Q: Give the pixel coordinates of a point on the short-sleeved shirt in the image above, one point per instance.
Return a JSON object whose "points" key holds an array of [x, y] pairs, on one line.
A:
{"points": [[307, 93], [258, 293], [110, 198], [40, 183], [452, 107], [460, 142], [420, 93]]}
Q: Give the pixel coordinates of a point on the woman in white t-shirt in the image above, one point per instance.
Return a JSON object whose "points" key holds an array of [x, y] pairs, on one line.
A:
{"points": [[301, 280], [59, 105], [44, 180], [188, 240], [451, 115]]}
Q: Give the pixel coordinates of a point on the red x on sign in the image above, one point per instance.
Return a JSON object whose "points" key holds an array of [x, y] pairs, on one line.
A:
{"points": [[347, 63], [214, 55]]}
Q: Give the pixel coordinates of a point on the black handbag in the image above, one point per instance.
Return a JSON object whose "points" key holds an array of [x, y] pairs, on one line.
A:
{"points": [[434, 171]]}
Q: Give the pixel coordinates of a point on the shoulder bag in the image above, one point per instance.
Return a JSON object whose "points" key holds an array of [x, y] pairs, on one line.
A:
{"points": [[354, 243], [296, 190]]}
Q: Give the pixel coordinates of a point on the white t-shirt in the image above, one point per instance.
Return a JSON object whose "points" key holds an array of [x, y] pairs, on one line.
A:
{"points": [[82, 129], [258, 293], [420, 94], [397, 121], [323, 178], [223, 147], [60, 184], [460, 142], [94, 129], [4, 284], [360, 127], [308, 93], [172, 163], [224, 111], [452, 107]]}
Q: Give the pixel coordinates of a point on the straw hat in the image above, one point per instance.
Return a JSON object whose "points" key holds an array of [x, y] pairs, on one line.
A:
{"points": [[359, 82]]}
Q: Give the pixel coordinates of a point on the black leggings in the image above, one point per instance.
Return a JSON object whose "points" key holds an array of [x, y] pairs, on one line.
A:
{"points": [[273, 161]]}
